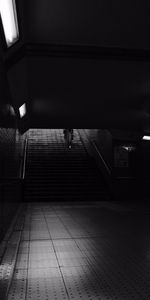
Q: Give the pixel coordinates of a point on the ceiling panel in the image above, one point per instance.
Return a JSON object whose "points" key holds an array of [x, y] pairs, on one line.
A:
{"points": [[107, 23]]}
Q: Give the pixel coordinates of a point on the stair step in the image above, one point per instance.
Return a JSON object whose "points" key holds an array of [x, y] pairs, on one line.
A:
{"points": [[55, 173]]}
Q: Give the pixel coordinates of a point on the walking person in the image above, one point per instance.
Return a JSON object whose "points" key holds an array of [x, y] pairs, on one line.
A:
{"points": [[68, 136]]}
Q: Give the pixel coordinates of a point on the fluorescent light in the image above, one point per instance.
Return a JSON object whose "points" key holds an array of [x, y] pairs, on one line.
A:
{"points": [[146, 137], [9, 21], [22, 110]]}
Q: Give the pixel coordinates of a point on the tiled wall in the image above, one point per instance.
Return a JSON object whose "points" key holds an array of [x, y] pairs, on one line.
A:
{"points": [[7, 152], [11, 147]]}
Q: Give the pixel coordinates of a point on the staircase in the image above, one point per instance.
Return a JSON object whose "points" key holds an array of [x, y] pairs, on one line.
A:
{"points": [[55, 173]]}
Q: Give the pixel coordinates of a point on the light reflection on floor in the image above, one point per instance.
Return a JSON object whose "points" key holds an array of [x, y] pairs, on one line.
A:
{"points": [[87, 252]]}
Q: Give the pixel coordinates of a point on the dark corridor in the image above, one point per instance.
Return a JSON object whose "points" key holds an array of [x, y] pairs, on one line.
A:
{"points": [[68, 239], [74, 223]]}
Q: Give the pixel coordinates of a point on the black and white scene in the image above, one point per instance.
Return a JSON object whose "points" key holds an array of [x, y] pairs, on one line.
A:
{"points": [[74, 150]]}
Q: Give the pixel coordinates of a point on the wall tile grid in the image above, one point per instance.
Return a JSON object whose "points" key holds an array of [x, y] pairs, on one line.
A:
{"points": [[11, 147]]}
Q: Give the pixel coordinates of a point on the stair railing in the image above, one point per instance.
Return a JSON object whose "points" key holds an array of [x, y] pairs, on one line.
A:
{"points": [[23, 163]]}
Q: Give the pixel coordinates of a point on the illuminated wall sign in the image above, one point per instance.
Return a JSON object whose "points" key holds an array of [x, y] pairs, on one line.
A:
{"points": [[129, 148], [146, 137], [9, 21], [22, 110], [121, 159]]}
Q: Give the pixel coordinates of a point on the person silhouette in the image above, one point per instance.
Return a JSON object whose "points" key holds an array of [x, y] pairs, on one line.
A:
{"points": [[68, 136]]}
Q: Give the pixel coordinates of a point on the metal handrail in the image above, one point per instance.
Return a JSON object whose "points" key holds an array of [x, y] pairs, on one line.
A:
{"points": [[9, 180], [98, 152], [24, 159]]}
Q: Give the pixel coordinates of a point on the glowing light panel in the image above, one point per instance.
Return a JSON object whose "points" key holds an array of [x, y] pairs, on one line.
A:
{"points": [[146, 137], [9, 21], [22, 110], [129, 148]]}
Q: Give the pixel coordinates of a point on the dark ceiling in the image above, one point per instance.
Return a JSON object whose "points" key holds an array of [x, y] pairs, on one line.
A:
{"points": [[75, 88], [103, 23]]}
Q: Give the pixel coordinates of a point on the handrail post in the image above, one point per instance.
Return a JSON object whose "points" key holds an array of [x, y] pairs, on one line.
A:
{"points": [[24, 159]]}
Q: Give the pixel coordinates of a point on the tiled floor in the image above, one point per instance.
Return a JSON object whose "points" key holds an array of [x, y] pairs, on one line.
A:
{"points": [[82, 252]]}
